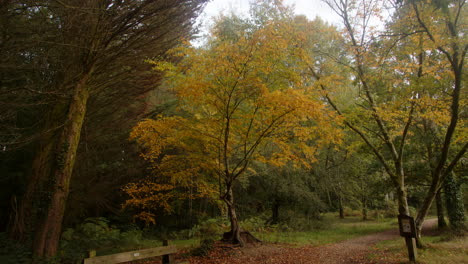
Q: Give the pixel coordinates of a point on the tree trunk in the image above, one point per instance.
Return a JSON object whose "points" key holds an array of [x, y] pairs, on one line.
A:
{"points": [[441, 224], [423, 211], [275, 211], [364, 210], [454, 203], [34, 199], [233, 235], [403, 208], [340, 204], [50, 181]]}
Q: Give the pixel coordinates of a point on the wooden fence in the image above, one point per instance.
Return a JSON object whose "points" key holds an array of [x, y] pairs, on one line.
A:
{"points": [[166, 251]]}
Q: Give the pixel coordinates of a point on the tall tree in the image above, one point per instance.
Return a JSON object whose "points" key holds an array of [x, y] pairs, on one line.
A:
{"points": [[441, 23], [454, 202], [93, 46], [239, 94], [407, 61], [356, 17]]}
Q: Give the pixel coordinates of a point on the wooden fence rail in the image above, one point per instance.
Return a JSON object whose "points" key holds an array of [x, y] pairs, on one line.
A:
{"points": [[166, 251]]}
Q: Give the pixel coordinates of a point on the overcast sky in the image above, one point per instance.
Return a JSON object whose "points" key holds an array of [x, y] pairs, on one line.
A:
{"points": [[310, 8]]}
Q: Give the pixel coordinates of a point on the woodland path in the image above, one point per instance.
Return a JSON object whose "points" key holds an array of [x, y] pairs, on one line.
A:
{"points": [[350, 251]]}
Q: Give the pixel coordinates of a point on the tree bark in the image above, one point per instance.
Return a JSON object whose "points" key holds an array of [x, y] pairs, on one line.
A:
{"points": [[454, 203], [275, 211], [441, 224], [364, 210], [403, 207], [423, 211], [340, 204], [36, 197], [50, 180], [234, 234]]}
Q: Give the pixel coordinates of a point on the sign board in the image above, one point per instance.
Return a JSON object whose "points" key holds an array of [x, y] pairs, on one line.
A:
{"points": [[407, 227]]}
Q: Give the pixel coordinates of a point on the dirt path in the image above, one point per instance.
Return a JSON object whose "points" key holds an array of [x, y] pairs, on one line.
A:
{"points": [[349, 251]]}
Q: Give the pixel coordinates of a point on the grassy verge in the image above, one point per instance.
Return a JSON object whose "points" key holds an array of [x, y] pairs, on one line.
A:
{"points": [[330, 229], [337, 230], [144, 244], [439, 250]]}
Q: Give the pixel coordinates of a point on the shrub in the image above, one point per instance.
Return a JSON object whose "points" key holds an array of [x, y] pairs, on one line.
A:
{"points": [[12, 252], [391, 209], [206, 245], [131, 237], [352, 212], [93, 233], [307, 224], [213, 227], [254, 224], [209, 231]]}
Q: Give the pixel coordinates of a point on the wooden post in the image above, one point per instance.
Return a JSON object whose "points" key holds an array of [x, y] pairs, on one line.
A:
{"points": [[167, 259], [411, 245]]}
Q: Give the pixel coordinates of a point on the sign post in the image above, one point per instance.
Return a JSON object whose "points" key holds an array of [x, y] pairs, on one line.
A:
{"points": [[408, 231]]}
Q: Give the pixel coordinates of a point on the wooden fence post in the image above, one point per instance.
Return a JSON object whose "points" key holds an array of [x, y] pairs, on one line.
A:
{"points": [[167, 259]]}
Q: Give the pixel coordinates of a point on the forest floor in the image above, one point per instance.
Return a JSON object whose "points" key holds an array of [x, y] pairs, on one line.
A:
{"points": [[357, 250]]}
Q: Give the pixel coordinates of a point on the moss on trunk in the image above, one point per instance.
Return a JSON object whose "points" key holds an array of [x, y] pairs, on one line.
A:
{"points": [[41, 211]]}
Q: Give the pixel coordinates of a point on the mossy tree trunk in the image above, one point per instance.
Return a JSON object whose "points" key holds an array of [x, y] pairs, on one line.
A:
{"points": [[441, 224], [364, 209], [275, 211], [341, 209], [43, 205], [37, 193], [454, 203], [423, 211], [455, 52]]}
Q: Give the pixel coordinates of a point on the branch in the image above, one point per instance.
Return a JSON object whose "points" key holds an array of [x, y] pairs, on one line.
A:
{"points": [[366, 140], [426, 29], [405, 131], [243, 163], [455, 161], [355, 129]]}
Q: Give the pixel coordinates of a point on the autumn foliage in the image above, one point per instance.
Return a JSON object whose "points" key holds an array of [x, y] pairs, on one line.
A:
{"points": [[241, 99]]}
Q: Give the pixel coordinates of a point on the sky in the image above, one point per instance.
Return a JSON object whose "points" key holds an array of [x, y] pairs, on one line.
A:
{"points": [[310, 8]]}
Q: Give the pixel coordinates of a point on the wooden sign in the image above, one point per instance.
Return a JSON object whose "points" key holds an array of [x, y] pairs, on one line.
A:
{"points": [[407, 226], [408, 231]]}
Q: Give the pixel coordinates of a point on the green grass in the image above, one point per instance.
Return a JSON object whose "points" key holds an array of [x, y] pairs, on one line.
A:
{"points": [[147, 243], [187, 243], [438, 250], [330, 229], [337, 230]]}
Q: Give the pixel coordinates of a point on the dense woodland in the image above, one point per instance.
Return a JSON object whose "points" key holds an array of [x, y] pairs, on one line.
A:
{"points": [[112, 114]]}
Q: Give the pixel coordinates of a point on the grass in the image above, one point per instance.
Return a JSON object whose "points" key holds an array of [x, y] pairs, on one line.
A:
{"points": [[147, 243], [438, 250], [329, 230], [337, 230]]}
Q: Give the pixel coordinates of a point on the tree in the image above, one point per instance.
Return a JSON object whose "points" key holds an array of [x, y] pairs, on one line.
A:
{"points": [[240, 94], [455, 205], [356, 22], [94, 46], [283, 188], [393, 71], [441, 23]]}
